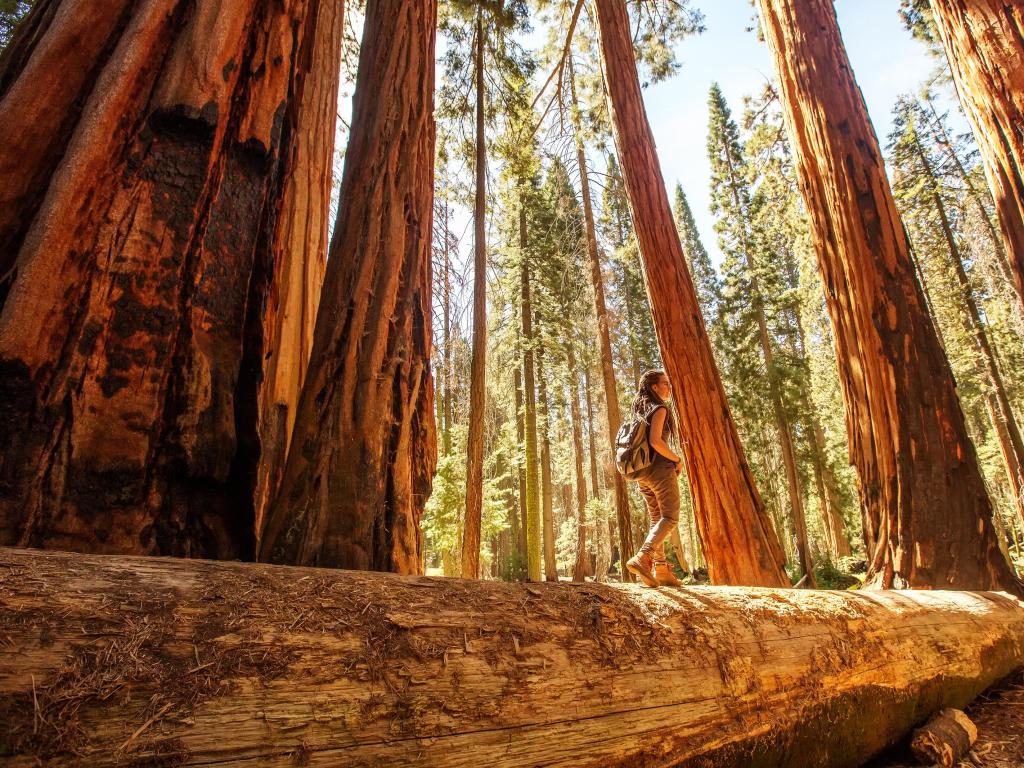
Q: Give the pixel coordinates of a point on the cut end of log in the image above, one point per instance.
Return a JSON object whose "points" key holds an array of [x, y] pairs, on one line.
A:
{"points": [[944, 740]]}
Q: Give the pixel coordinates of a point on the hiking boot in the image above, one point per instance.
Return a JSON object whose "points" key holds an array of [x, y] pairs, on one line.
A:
{"points": [[666, 578], [641, 565]]}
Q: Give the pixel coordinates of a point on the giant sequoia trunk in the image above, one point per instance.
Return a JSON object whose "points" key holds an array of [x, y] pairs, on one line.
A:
{"points": [[478, 363], [739, 543], [984, 42], [927, 518], [149, 160], [143, 661], [299, 251], [363, 449]]}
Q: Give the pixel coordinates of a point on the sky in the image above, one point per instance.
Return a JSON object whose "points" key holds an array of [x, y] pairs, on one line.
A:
{"points": [[886, 61]]}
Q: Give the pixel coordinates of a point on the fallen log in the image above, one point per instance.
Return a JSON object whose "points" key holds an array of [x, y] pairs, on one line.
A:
{"points": [[944, 739], [129, 661]]}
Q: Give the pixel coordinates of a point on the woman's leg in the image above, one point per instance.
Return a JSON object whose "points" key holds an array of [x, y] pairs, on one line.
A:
{"points": [[663, 485]]}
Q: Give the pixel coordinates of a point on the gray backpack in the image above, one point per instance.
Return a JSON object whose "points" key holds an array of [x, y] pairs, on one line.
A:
{"points": [[633, 452]]}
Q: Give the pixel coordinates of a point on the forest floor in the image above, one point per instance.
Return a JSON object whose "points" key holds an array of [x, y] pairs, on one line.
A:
{"points": [[999, 715]]}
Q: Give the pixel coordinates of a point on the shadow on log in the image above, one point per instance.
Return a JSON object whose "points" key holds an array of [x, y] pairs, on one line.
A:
{"points": [[130, 661]]}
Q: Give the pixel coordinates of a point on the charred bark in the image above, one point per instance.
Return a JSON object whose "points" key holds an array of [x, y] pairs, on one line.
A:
{"points": [[363, 449], [146, 160], [299, 255]]}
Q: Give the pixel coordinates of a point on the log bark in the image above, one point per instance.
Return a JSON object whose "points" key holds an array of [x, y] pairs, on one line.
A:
{"points": [[142, 214], [364, 450], [984, 43], [739, 543], [908, 439], [118, 660], [478, 362], [944, 740]]}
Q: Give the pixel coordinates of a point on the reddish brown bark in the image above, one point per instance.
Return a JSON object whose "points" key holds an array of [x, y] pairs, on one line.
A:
{"points": [[363, 449], [143, 154], [478, 363], [299, 253], [927, 519], [984, 42], [739, 543]]}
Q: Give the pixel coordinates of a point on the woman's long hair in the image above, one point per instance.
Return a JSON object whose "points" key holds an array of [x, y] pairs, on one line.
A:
{"points": [[646, 399]]}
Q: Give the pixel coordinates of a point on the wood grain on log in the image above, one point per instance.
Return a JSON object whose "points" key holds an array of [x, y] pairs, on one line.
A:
{"points": [[944, 739], [108, 659]]}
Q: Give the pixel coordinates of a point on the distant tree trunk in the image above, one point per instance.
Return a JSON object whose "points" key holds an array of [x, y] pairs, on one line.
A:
{"points": [[824, 475], [595, 486], [533, 515], [941, 137], [1006, 421], [300, 257], [364, 447], [927, 518], [739, 543], [783, 432], [446, 373], [580, 569], [547, 514], [478, 366], [984, 42], [1010, 462], [828, 494], [524, 522], [611, 393], [155, 160]]}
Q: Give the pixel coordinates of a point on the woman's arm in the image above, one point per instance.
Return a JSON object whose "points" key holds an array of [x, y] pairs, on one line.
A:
{"points": [[657, 441]]}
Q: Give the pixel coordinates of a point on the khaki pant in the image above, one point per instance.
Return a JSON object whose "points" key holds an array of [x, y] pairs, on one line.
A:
{"points": [[660, 490]]}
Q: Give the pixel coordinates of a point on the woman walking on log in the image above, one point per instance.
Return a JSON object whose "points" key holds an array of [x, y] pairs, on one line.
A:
{"points": [[659, 484]]}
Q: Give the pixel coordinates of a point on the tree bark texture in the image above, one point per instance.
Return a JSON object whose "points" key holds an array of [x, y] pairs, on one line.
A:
{"points": [[547, 513], [364, 449], [582, 565], [478, 362], [739, 543], [984, 42], [611, 392], [120, 660], [927, 518], [148, 161], [299, 251], [534, 542], [1006, 421]]}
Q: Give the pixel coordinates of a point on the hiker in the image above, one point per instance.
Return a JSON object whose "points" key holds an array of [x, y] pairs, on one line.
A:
{"points": [[659, 481]]}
